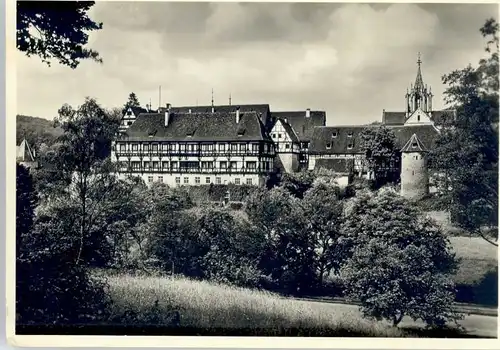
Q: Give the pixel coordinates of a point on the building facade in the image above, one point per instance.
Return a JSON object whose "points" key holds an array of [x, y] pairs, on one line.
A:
{"points": [[195, 148], [299, 127], [130, 116]]}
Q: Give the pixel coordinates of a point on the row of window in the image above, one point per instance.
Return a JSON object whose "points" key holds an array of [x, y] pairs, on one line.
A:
{"points": [[335, 134], [155, 165], [197, 180], [349, 145], [191, 147]]}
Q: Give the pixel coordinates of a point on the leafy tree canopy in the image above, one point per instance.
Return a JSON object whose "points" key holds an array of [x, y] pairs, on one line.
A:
{"points": [[466, 154], [379, 147], [56, 30], [397, 262]]}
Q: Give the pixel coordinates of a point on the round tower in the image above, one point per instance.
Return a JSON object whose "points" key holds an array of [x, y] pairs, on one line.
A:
{"points": [[414, 171]]}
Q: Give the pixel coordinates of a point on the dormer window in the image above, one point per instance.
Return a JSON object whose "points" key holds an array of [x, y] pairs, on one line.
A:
{"points": [[350, 146], [328, 145], [334, 134], [349, 134], [418, 117], [414, 145], [129, 113]]}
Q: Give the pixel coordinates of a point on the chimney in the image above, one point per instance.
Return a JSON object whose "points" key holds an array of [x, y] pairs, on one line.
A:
{"points": [[169, 106], [237, 115], [213, 109], [308, 113], [147, 108], [189, 111], [167, 115]]}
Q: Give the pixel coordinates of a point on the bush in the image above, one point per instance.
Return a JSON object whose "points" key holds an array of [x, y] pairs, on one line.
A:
{"points": [[231, 270]]}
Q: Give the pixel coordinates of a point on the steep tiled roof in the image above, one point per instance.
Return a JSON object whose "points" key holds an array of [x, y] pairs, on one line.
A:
{"points": [[337, 165], [344, 136], [443, 116], [138, 110], [24, 152], [197, 127], [413, 145], [323, 137], [261, 109], [426, 133], [302, 125], [399, 118], [290, 131], [393, 118]]}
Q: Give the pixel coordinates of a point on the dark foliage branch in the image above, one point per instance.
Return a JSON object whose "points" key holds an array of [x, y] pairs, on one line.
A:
{"points": [[56, 30]]}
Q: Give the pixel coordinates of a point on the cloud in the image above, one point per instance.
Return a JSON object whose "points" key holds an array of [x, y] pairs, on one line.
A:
{"points": [[351, 60]]}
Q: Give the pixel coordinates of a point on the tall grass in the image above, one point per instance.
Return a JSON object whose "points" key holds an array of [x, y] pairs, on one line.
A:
{"points": [[205, 305]]}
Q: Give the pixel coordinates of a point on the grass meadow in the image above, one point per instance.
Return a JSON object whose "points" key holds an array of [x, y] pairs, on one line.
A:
{"points": [[204, 305]]}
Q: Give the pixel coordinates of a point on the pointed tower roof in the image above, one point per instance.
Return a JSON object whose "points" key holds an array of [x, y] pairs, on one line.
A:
{"points": [[419, 82], [413, 145]]}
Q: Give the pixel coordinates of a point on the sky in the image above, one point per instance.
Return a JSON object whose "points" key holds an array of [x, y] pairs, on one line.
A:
{"points": [[350, 60]]}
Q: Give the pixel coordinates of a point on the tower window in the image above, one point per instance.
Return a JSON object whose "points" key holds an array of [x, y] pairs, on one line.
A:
{"points": [[418, 117], [414, 145]]}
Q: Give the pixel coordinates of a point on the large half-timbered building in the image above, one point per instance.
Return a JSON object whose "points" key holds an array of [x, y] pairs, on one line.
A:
{"points": [[195, 147]]}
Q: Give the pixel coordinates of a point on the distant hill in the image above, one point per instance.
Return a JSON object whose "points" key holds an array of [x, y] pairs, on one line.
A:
{"points": [[36, 131]]}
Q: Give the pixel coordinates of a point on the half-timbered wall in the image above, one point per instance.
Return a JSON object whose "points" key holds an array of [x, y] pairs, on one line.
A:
{"points": [[192, 163]]}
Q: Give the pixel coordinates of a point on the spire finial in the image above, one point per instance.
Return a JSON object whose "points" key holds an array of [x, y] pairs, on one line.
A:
{"points": [[419, 83]]}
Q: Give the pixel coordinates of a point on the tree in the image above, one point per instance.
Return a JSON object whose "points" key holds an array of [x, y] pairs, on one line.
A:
{"points": [[288, 254], [466, 153], [397, 263], [381, 154], [133, 101], [83, 155], [323, 208], [297, 183], [56, 30], [26, 200], [50, 289]]}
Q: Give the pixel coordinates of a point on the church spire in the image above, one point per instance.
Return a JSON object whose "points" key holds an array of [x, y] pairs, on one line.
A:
{"points": [[419, 82], [419, 95]]}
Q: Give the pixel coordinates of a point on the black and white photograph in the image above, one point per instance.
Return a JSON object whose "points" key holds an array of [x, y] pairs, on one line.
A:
{"points": [[255, 169]]}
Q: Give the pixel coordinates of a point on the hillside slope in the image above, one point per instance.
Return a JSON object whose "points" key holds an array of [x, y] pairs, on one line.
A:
{"points": [[36, 130]]}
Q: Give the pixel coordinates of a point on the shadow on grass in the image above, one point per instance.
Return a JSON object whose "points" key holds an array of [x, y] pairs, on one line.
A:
{"points": [[415, 332], [483, 293]]}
